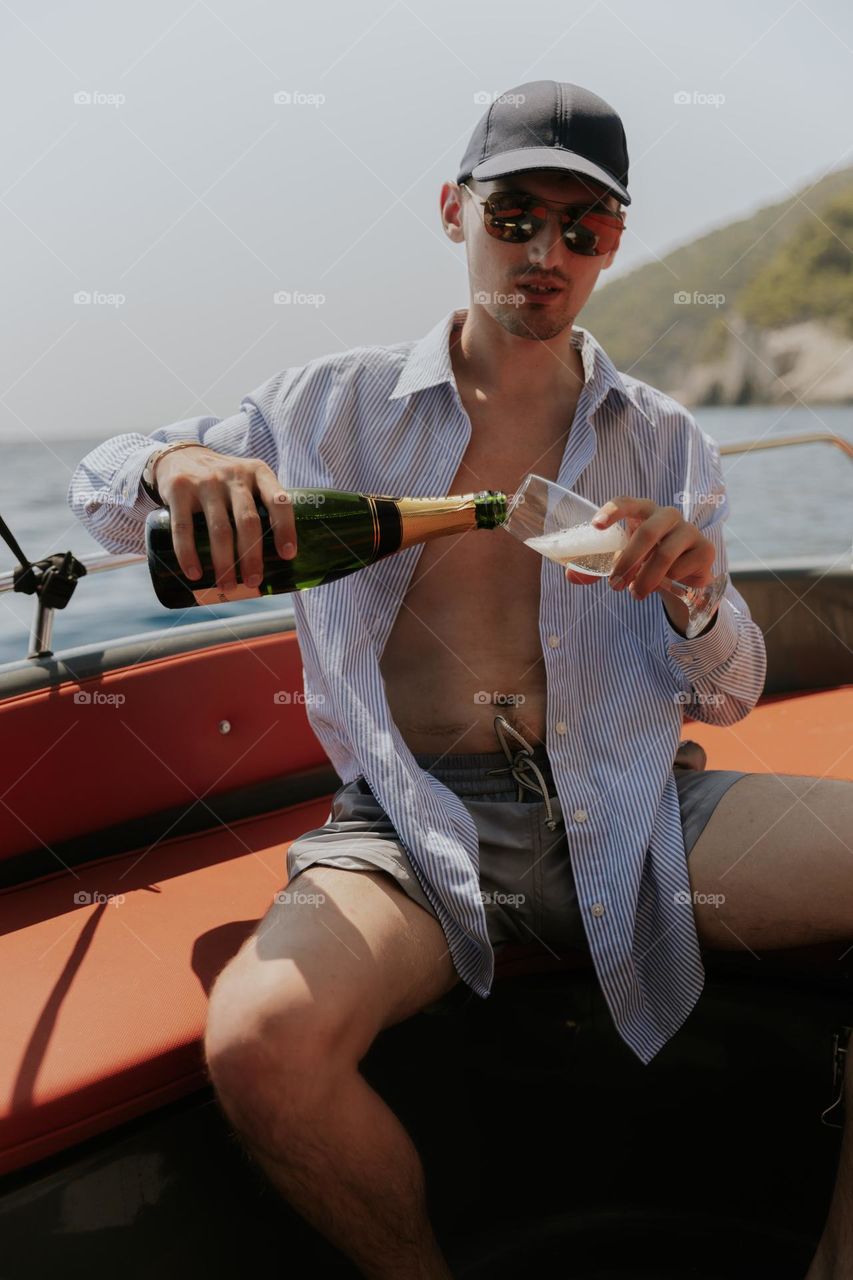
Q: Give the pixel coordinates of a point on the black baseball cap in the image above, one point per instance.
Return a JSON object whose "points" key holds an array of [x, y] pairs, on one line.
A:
{"points": [[548, 124]]}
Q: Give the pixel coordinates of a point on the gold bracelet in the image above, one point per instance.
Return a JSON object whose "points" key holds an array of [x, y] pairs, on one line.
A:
{"points": [[148, 477]]}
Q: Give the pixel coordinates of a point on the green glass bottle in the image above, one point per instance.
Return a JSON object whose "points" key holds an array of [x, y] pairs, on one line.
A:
{"points": [[336, 533]]}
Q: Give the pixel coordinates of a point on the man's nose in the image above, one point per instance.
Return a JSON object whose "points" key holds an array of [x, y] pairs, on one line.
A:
{"points": [[547, 248]]}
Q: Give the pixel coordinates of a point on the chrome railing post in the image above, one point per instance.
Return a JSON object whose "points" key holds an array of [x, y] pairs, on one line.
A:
{"points": [[41, 630], [41, 626]]}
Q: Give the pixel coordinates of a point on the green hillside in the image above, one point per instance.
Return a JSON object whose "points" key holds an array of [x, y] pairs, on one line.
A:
{"points": [[780, 265], [810, 277]]}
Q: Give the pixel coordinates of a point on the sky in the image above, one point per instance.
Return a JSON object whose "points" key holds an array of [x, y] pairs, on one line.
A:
{"points": [[156, 199]]}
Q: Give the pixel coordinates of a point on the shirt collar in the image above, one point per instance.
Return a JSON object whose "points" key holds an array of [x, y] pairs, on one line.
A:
{"points": [[428, 365]]}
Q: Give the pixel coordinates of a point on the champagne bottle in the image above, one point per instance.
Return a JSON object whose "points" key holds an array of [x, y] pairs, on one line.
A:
{"points": [[336, 533]]}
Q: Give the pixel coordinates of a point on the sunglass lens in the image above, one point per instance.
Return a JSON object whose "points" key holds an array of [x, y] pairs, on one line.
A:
{"points": [[592, 232], [509, 218], [580, 239]]}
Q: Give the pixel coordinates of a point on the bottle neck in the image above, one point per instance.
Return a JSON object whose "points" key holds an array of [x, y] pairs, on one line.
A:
{"points": [[425, 518], [491, 508]]}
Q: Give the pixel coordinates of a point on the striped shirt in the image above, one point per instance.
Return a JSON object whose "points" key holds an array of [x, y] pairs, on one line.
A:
{"points": [[390, 419]]}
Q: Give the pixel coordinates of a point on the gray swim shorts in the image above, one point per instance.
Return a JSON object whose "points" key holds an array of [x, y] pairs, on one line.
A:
{"points": [[525, 868]]}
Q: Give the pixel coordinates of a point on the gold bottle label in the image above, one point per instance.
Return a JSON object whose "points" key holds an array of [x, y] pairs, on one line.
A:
{"points": [[436, 506], [423, 518]]}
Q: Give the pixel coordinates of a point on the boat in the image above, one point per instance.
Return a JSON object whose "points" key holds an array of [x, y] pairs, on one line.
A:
{"points": [[137, 852]]}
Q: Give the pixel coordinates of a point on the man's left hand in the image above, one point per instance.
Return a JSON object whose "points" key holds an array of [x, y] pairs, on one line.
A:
{"points": [[661, 544]]}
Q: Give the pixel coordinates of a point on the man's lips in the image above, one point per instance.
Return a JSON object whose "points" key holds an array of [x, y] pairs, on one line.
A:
{"points": [[536, 290]]}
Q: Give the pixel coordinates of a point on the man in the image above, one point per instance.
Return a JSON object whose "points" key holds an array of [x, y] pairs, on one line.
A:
{"points": [[505, 739]]}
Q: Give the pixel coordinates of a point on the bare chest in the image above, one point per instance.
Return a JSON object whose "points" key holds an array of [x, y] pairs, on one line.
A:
{"points": [[471, 611], [466, 636]]}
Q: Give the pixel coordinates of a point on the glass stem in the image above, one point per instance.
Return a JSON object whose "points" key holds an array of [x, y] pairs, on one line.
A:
{"points": [[689, 595], [701, 602]]}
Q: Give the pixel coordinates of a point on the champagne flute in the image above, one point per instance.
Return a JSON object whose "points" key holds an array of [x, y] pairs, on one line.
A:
{"points": [[557, 522]]}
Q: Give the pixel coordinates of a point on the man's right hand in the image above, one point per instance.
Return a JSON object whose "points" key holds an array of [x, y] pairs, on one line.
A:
{"points": [[199, 479]]}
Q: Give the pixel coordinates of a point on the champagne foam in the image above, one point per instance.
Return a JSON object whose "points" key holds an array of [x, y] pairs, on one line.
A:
{"points": [[580, 540]]}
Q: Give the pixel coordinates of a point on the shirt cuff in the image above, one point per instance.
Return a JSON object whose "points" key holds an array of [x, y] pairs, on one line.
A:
{"points": [[701, 655], [127, 490]]}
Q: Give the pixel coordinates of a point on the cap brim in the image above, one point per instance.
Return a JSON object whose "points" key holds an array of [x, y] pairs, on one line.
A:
{"points": [[547, 158]]}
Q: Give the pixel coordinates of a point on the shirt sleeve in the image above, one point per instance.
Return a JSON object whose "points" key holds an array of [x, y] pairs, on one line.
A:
{"points": [[721, 671], [106, 492]]}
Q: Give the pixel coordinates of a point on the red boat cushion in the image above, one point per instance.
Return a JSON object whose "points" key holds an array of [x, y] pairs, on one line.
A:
{"points": [[800, 733], [106, 974], [106, 970]]}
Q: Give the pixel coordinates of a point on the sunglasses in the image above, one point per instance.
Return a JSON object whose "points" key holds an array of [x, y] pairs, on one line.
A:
{"points": [[517, 216]]}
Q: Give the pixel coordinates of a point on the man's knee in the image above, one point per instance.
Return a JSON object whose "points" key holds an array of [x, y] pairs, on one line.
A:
{"points": [[272, 1050], [309, 991]]}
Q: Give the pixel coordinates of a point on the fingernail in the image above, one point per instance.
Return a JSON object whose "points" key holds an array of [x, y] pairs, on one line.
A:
{"points": [[194, 572], [617, 583], [598, 518], [253, 579], [288, 549]]}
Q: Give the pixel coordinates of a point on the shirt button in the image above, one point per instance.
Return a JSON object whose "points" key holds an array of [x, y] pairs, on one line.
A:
{"points": [[598, 908], [579, 815], [553, 641], [561, 726]]}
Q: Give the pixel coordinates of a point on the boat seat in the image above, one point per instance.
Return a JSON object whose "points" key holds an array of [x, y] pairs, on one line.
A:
{"points": [[107, 967], [107, 973], [107, 970]]}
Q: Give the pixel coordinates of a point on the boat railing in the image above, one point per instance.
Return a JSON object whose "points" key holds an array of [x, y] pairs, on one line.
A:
{"points": [[41, 629], [782, 442]]}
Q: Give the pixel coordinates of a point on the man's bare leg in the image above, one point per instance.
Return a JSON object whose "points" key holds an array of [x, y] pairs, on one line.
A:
{"points": [[289, 1020], [777, 849]]}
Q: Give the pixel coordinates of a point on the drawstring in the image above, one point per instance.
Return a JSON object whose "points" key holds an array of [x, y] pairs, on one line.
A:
{"points": [[522, 759]]}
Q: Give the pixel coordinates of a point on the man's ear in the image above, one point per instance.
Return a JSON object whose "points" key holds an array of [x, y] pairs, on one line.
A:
{"points": [[450, 204]]}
